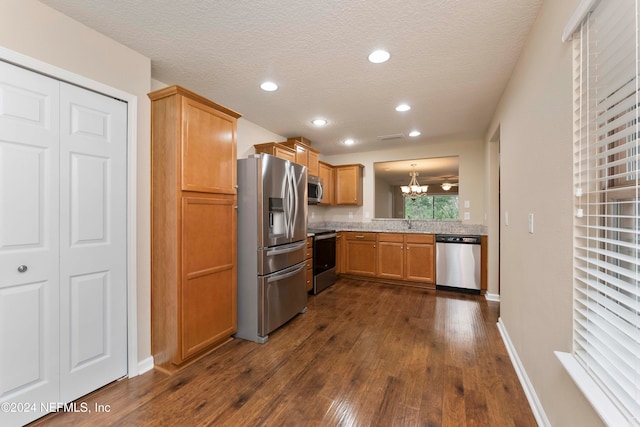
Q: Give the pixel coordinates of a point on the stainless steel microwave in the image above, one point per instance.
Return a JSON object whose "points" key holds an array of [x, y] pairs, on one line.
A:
{"points": [[314, 190]]}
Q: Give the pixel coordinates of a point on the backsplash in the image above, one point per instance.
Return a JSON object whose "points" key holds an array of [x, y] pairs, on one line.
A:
{"points": [[405, 226]]}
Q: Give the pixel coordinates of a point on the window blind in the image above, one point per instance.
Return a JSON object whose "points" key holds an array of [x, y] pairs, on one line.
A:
{"points": [[606, 227]]}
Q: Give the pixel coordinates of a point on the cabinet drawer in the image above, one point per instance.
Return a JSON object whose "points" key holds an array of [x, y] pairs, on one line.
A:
{"points": [[390, 237], [353, 235], [309, 247], [420, 238]]}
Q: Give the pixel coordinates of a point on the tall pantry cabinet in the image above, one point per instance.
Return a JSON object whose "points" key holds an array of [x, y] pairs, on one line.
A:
{"points": [[193, 226]]}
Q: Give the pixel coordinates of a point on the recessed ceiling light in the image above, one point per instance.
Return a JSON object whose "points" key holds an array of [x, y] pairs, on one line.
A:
{"points": [[414, 133], [269, 86], [319, 122], [379, 56], [403, 107], [349, 141]]}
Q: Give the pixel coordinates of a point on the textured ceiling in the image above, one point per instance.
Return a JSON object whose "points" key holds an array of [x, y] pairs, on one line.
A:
{"points": [[450, 60]]}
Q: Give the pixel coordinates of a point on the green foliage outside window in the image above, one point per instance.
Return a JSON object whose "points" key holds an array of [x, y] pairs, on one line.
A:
{"points": [[431, 207]]}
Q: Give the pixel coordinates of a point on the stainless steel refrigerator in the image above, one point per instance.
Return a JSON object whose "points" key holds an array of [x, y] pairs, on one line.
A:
{"points": [[272, 232]]}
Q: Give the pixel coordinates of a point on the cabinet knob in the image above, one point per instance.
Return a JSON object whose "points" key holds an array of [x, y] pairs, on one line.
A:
{"points": [[22, 268]]}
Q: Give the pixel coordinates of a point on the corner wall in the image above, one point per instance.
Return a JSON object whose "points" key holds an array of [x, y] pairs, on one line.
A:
{"points": [[35, 30], [535, 125]]}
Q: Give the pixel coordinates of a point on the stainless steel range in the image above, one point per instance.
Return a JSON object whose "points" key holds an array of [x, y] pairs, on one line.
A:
{"points": [[324, 259]]}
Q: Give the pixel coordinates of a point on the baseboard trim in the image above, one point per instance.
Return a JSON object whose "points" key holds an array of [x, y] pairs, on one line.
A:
{"points": [[529, 391], [145, 365], [492, 297]]}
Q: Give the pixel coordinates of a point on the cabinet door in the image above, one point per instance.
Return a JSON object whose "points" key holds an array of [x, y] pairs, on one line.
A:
{"points": [[285, 153], [325, 172], [208, 149], [312, 159], [420, 262], [348, 185], [208, 292], [361, 257], [302, 155], [390, 260], [340, 250]]}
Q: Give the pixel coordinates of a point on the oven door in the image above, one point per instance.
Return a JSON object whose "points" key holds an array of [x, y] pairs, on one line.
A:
{"points": [[324, 253]]}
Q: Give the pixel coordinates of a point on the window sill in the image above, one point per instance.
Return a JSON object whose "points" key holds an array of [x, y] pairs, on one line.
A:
{"points": [[598, 399]]}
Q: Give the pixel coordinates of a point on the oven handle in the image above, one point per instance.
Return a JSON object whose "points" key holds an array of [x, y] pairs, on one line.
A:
{"points": [[325, 236], [287, 249], [291, 271]]}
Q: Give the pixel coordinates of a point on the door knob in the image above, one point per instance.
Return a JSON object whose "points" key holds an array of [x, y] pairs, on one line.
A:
{"points": [[22, 268]]}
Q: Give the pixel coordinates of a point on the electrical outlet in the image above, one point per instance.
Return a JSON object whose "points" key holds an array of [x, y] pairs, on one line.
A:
{"points": [[467, 216], [467, 204], [350, 215]]}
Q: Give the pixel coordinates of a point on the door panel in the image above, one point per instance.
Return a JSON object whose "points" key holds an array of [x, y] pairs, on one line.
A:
{"points": [[208, 149], [29, 215], [89, 210], [209, 292], [93, 289]]}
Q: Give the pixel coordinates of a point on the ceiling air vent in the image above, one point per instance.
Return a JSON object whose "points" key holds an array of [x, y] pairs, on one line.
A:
{"points": [[394, 136]]}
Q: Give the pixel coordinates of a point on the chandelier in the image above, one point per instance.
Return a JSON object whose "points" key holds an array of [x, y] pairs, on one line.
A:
{"points": [[414, 189]]}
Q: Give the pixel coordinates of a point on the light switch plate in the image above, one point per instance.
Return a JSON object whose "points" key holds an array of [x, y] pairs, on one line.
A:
{"points": [[467, 216], [531, 223], [506, 218]]}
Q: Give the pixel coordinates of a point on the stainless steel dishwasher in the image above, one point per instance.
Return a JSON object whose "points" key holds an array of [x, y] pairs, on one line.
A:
{"points": [[458, 262]]}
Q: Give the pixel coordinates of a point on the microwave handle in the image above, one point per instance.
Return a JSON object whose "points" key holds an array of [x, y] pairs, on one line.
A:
{"points": [[321, 192]]}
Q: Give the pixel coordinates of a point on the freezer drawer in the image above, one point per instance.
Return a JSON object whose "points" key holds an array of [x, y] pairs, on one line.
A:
{"points": [[279, 257], [282, 295]]}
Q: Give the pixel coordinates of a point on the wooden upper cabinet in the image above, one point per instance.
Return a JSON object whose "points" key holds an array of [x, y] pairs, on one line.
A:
{"points": [[312, 162], [207, 140], [325, 172], [348, 184], [276, 149], [305, 155]]}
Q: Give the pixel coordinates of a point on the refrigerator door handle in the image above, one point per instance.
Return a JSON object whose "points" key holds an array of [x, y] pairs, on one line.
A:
{"points": [[294, 196], [292, 271], [286, 202]]}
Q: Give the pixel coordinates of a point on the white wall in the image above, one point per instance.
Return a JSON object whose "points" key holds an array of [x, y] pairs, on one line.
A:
{"points": [[383, 199], [536, 161], [471, 167], [250, 134], [35, 30]]}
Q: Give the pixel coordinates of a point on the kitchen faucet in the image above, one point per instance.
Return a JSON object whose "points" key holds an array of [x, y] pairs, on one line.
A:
{"points": [[409, 222]]}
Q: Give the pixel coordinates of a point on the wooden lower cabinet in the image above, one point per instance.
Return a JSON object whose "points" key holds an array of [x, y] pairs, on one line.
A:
{"points": [[391, 256], [340, 250], [194, 274], [395, 257], [420, 258], [309, 258], [360, 253], [208, 289]]}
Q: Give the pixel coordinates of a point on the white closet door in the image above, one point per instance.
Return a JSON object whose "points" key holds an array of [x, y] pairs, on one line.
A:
{"points": [[29, 206], [93, 287]]}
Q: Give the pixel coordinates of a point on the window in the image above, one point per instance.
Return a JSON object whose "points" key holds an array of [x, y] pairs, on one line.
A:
{"points": [[606, 229], [431, 207]]}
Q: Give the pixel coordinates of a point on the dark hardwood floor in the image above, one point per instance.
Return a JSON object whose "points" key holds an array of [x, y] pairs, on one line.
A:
{"points": [[363, 354]]}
